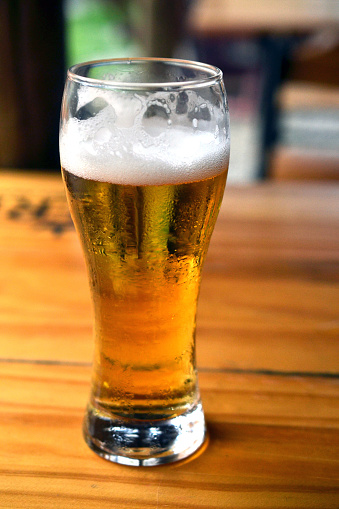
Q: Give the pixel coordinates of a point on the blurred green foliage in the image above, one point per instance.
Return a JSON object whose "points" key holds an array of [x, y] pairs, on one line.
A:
{"points": [[97, 29]]}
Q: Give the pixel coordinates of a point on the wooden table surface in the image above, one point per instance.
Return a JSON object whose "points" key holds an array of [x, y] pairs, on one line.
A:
{"points": [[268, 354]]}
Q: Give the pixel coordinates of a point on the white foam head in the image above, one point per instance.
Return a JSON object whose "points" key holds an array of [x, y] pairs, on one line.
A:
{"points": [[123, 144]]}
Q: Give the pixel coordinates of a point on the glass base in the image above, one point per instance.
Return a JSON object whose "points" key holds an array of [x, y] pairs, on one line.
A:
{"points": [[145, 443]]}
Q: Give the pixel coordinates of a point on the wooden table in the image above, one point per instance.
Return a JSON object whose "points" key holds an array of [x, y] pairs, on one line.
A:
{"points": [[268, 344]]}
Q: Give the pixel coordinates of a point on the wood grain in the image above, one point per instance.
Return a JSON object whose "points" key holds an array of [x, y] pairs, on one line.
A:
{"points": [[271, 444], [268, 336], [269, 297]]}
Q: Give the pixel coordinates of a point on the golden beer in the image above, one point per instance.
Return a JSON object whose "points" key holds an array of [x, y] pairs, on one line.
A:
{"points": [[144, 148], [144, 247]]}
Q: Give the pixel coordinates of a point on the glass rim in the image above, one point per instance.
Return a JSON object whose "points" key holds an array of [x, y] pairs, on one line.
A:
{"points": [[213, 74]]}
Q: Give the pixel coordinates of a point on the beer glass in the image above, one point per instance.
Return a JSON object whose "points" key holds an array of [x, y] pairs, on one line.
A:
{"points": [[144, 148]]}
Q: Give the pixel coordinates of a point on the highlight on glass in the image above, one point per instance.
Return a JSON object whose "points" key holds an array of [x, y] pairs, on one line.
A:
{"points": [[144, 148]]}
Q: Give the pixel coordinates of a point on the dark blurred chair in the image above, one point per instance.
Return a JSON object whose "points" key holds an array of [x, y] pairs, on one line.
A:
{"points": [[274, 29], [32, 69], [309, 105]]}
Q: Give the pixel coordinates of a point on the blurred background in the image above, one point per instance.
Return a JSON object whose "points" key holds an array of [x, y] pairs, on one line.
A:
{"points": [[280, 62]]}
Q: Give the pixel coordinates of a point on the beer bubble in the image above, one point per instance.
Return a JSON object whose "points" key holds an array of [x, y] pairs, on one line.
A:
{"points": [[103, 135], [182, 100], [141, 139], [155, 117], [89, 148]]}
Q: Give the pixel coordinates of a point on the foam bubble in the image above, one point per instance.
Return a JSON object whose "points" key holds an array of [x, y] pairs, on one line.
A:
{"points": [[147, 152]]}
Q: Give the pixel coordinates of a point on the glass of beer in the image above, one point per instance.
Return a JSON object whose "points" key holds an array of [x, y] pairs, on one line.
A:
{"points": [[144, 148]]}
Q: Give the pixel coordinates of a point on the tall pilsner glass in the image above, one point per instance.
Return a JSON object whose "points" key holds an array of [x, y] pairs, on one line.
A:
{"points": [[144, 146]]}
